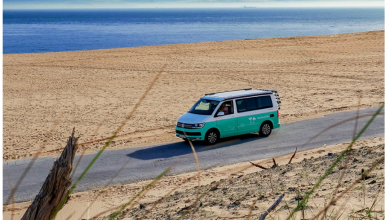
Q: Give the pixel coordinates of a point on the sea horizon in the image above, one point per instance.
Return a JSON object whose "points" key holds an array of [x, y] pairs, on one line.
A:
{"points": [[60, 30]]}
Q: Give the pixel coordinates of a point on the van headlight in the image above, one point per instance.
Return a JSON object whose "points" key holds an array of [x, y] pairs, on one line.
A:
{"points": [[198, 125]]}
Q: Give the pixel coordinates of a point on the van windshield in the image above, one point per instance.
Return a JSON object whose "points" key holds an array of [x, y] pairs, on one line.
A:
{"points": [[204, 107]]}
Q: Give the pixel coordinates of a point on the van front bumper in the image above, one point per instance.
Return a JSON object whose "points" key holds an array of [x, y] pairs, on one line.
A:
{"points": [[191, 134]]}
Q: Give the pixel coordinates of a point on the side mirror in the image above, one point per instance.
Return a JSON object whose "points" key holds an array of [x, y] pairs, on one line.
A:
{"points": [[220, 114]]}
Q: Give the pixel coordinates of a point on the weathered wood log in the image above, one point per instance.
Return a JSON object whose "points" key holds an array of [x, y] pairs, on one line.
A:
{"points": [[270, 209], [56, 186]]}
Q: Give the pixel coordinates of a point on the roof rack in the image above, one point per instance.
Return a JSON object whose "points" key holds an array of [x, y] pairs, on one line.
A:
{"points": [[228, 91], [276, 96]]}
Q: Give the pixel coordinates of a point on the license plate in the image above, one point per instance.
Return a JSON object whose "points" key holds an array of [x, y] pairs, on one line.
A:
{"points": [[182, 136]]}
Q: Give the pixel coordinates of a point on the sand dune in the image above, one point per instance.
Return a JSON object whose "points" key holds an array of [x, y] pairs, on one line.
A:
{"points": [[47, 94]]}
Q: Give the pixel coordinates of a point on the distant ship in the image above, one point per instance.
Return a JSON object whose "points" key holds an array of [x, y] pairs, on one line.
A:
{"points": [[249, 7]]}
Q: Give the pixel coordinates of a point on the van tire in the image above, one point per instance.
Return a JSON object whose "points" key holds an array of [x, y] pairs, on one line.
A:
{"points": [[265, 129], [211, 137]]}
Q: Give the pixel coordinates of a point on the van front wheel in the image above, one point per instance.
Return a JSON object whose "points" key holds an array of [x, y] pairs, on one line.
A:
{"points": [[212, 137], [265, 129]]}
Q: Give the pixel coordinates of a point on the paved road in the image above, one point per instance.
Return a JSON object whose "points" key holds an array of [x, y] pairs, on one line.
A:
{"points": [[148, 162]]}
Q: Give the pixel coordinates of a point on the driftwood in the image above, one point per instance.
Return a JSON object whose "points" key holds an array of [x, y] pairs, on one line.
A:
{"points": [[275, 164], [270, 209], [273, 160], [56, 186], [293, 155], [259, 166]]}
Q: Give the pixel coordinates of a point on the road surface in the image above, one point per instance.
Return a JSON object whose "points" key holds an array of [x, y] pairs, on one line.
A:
{"points": [[148, 162]]}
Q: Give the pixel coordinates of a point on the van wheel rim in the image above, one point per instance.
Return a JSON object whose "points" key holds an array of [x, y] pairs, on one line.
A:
{"points": [[266, 129], [212, 138]]}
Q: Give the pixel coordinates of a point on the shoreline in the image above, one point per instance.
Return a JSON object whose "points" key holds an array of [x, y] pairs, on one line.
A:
{"points": [[158, 45]]}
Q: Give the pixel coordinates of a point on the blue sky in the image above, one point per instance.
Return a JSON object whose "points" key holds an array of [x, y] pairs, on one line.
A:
{"points": [[66, 4]]}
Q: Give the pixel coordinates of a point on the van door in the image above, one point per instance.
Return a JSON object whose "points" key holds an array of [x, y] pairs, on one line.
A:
{"points": [[246, 111], [227, 124]]}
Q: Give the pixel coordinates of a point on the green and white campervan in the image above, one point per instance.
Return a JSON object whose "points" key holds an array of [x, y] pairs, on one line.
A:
{"points": [[225, 114]]}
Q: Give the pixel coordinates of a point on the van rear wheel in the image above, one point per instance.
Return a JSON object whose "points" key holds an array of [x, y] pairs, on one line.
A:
{"points": [[211, 137], [265, 129]]}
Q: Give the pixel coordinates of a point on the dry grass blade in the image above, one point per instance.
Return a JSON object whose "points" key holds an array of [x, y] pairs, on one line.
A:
{"points": [[146, 189], [140, 100], [330, 169], [376, 198], [288, 208], [78, 163], [116, 214], [30, 164], [197, 165], [259, 166], [123, 135], [167, 194], [193, 205], [112, 137], [357, 115], [351, 186], [109, 183], [251, 209], [70, 216], [270, 180], [348, 157], [272, 207], [340, 123], [13, 199], [85, 149]]}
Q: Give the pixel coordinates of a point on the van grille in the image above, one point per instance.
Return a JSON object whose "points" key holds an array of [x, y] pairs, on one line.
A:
{"points": [[183, 125], [189, 133]]}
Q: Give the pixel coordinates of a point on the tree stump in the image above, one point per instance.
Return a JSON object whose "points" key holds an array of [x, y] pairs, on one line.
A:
{"points": [[56, 186]]}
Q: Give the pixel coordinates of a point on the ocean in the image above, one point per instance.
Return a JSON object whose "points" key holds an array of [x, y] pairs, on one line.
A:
{"points": [[37, 31]]}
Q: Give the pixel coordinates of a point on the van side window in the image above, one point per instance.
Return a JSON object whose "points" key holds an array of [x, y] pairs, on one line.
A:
{"points": [[264, 102], [244, 105], [250, 104], [241, 105], [226, 108]]}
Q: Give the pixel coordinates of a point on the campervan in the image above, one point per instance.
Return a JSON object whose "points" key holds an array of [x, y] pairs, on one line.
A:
{"points": [[224, 114]]}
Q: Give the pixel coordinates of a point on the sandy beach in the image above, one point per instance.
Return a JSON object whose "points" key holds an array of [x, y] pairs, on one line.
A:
{"points": [[47, 94]]}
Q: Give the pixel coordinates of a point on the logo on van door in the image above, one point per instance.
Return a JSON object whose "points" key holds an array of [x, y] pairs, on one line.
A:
{"points": [[252, 120], [266, 116]]}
